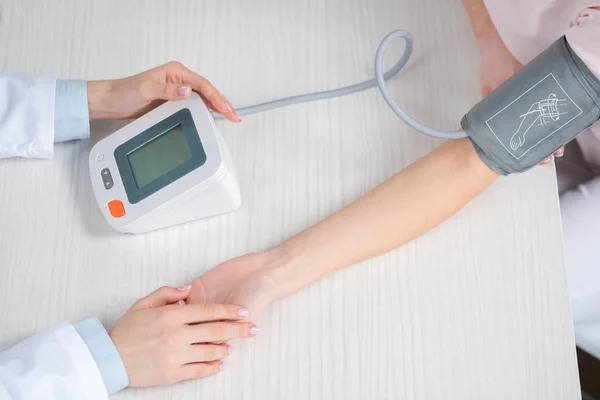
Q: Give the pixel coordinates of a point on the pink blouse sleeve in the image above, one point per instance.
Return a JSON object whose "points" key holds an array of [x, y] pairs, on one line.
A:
{"points": [[584, 35], [584, 38]]}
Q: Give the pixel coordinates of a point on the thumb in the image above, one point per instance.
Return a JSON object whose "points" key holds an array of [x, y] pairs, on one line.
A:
{"points": [[169, 91], [163, 296]]}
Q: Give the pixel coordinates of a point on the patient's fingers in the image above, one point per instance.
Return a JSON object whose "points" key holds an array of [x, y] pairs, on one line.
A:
{"points": [[560, 152], [557, 154]]}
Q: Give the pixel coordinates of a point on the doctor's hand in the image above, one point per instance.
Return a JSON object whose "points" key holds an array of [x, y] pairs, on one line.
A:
{"points": [[162, 343], [134, 96]]}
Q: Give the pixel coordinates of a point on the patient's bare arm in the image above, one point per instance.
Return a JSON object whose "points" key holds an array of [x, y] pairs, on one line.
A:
{"points": [[394, 213]]}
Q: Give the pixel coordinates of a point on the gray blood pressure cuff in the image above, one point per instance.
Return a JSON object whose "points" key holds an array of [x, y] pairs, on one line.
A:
{"points": [[542, 107]]}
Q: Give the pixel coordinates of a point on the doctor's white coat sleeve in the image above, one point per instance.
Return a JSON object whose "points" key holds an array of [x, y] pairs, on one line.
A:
{"points": [[36, 112], [55, 364]]}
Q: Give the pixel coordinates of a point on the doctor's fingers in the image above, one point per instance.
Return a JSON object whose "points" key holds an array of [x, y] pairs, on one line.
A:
{"points": [[196, 313], [209, 94], [200, 370], [205, 352], [163, 296], [165, 90], [219, 331]]}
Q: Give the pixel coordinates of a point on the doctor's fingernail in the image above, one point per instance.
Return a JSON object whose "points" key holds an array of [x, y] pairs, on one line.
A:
{"points": [[183, 90], [231, 109], [184, 288], [560, 153], [254, 330], [181, 302], [242, 312]]}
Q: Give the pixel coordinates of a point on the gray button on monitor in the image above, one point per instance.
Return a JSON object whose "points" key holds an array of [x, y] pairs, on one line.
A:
{"points": [[106, 178]]}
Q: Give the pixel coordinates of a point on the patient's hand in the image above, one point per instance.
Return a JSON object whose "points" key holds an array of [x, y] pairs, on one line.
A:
{"points": [[241, 280]]}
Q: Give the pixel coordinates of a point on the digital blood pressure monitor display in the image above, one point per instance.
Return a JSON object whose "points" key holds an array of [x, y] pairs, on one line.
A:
{"points": [[168, 167], [160, 155]]}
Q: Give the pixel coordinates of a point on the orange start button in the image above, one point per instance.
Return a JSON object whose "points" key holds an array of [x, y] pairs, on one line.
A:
{"points": [[116, 208]]}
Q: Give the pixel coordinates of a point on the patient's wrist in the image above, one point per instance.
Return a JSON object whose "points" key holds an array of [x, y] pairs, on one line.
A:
{"points": [[289, 267], [276, 271]]}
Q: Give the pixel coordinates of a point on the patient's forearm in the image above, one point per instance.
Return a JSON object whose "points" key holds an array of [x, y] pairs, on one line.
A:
{"points": [[396, 212], [482, 24]]}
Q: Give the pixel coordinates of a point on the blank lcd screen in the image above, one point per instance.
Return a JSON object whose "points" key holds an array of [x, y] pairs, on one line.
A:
{"points": [[159, 156]]}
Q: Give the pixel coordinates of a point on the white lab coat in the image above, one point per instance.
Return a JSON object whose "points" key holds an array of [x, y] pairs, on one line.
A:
{"points": [[26, 115], [55, 364]]}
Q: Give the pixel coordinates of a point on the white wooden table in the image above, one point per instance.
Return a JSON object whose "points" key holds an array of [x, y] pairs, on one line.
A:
{"points": [[476, 309]]}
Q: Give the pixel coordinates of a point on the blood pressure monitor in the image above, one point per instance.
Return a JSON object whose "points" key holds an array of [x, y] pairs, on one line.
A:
{"points": [[168, 167]]}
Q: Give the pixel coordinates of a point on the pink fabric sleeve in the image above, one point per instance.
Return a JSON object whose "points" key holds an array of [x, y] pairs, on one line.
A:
{"points": [[584, 35], [584, 38]]}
